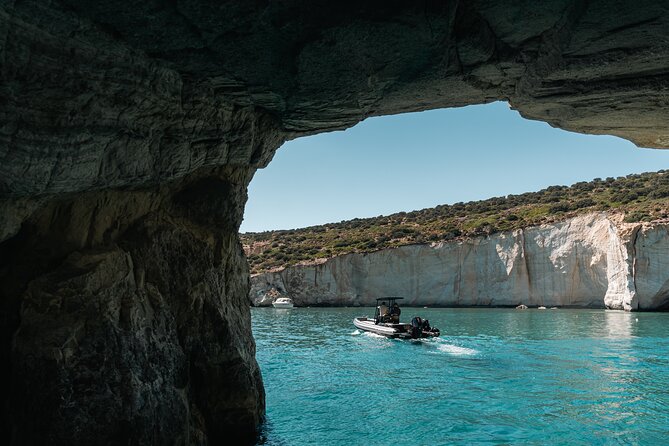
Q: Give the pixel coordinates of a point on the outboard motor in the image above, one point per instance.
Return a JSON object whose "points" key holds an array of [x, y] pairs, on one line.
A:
{"points": [[416, 328], [429, 329]]}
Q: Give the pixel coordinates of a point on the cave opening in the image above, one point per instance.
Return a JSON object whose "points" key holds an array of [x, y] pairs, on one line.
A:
{"points": [[122, 123], [411, 161]]}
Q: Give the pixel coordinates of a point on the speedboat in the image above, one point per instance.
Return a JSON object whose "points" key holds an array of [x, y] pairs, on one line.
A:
{"points": [[386, 322], [283, 302]]}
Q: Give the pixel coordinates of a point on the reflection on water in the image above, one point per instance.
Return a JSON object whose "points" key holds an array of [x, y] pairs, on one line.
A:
{"points": [[619, 324], [494, 376]]}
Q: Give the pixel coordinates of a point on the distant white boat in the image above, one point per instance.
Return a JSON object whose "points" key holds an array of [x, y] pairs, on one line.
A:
{"points": [[283, 302]]}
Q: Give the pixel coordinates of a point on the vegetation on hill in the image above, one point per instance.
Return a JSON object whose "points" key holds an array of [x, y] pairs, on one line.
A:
{"points": [[642, 197]]}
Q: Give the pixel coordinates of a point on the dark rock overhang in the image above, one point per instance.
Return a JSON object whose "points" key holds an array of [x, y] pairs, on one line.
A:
{"points": [[128, 93], [130, 129]]}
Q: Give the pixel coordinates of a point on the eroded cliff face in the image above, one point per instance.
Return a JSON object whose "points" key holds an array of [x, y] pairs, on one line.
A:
{"points": [[128, 321], [129, 131], [589, 261]]}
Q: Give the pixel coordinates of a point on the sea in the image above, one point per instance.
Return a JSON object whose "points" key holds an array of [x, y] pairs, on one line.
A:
{"points": [[494, 376]]}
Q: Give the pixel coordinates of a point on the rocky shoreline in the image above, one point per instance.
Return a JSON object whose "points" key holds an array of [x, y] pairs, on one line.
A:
{"points": [[590, 261]]}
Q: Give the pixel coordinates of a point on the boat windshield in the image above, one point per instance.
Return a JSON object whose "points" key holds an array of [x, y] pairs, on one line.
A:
{"points": [[387, 309], [388, 301]]}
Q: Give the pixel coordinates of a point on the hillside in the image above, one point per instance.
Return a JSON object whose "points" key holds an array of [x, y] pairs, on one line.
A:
{"points": [[642, 197]]}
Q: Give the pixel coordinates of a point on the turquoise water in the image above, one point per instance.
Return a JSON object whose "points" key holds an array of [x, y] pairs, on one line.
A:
{"points": [[495, 376]]}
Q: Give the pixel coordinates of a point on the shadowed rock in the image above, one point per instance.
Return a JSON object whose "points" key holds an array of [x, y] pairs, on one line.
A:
{"points": [[129, 131]]}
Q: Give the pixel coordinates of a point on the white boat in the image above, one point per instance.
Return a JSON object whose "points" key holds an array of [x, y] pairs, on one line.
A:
{"points": [[390, 330], [386, 322], [283, 302]]}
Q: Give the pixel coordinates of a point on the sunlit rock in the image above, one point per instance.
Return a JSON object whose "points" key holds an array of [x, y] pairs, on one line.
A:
{"points": [[591, 261]]}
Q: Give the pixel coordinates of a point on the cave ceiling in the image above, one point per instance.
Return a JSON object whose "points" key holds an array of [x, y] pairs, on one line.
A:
{"points": [[102, 94]]}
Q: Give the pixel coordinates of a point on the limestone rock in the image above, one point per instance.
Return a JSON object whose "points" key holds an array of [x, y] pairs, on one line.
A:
{"points": [[116, 113], [588, 261], [650, 251], [129, 322]]}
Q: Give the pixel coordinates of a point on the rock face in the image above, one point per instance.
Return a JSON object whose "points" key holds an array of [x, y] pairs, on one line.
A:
{"points": [[129, 131], [587, 261], [133, 327]]}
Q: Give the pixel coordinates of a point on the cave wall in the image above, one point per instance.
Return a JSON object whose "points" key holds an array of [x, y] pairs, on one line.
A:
{"points": [[130, 129], [128, 321]]}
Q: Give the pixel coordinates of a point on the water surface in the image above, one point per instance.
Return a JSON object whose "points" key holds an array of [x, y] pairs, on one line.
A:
{"points": [[495, 376]]}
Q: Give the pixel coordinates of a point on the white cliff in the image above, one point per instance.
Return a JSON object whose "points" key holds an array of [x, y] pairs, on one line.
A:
{"points": [[593, 260]]}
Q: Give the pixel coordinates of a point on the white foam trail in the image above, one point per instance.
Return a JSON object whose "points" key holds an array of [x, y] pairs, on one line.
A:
{"points": [[457, 351], [355, 333], [373, 335]]}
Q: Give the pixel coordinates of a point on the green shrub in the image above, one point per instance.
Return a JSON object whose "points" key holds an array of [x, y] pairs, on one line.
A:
{"points": [[642, 197], [634, 217], [562, 206]]}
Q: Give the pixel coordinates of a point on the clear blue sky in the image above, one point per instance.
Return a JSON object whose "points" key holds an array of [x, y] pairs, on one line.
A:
{"points": [[419, 160]]}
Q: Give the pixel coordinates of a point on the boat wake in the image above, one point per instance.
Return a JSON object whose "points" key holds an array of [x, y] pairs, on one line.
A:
{"points": [[456, 350], [441, 344], [373, 335], [367, 333]]}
